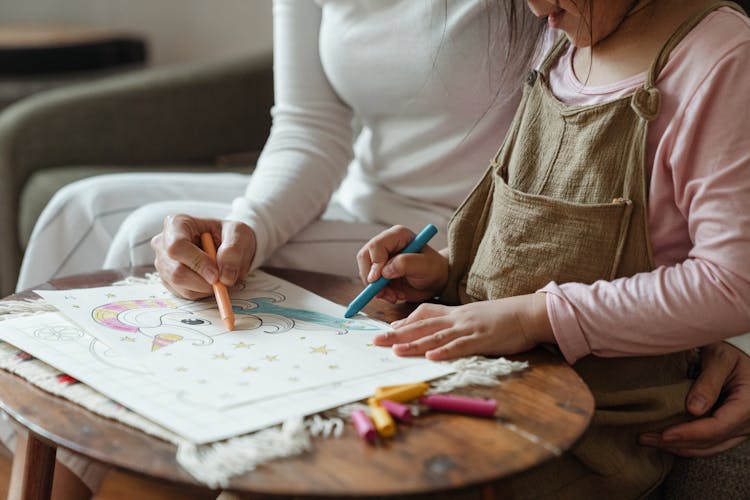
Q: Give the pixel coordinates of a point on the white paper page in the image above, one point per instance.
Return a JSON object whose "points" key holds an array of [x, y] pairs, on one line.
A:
{"points": [[286, 339], [53, 339]]}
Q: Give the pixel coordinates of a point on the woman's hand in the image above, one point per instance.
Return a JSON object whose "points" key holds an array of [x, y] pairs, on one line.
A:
{"points": [[183, 266], [414, 276], [725, 371], [492, 327]]}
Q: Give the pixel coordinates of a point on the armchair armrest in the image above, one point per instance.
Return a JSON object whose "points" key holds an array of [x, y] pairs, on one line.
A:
{"points": [[184, 114]]}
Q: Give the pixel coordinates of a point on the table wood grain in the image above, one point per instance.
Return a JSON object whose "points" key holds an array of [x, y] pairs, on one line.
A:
{"points": [[542, 411]]}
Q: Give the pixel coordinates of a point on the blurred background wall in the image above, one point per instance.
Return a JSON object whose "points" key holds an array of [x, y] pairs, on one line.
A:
{"points": [[175, 30]]}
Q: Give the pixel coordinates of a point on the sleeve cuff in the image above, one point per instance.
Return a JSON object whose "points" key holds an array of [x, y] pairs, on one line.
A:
{"points": [[568, 333]]}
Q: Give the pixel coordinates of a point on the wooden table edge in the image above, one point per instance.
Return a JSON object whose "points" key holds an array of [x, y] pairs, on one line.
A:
{"points": [[50, 438]]}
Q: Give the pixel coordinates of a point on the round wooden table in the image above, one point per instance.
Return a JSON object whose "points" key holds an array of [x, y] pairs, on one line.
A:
{"points": [[542, 411]]}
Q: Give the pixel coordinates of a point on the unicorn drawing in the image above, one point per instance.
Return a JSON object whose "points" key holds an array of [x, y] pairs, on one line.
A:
{"points": [[282, 318], [162, 320]]}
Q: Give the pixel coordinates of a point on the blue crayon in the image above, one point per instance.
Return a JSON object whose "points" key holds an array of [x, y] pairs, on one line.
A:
{"points": [[373, 288]]}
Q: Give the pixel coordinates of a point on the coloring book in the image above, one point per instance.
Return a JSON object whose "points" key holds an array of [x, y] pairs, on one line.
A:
{"points": [[172, 360]]}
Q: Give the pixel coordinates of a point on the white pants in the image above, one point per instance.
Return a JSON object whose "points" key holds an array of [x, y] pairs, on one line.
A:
{"points": [[107, 222]]}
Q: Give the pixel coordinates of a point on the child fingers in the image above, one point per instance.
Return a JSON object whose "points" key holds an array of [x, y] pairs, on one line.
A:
{"points": [[424, 311], [428, 343], [412, 332], [376, 252], [364, 263], [465, 345]]}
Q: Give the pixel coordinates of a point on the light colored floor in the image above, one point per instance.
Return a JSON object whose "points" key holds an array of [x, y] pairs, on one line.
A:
{"points": [[121, 486]]}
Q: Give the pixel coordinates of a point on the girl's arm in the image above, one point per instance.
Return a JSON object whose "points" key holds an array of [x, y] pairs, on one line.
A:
{"points": [[310, 144], [702, 174]]}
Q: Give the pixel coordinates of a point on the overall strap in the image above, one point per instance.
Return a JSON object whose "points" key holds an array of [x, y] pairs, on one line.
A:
{"points": [[553, 54], [678, 35], [646, 100]]}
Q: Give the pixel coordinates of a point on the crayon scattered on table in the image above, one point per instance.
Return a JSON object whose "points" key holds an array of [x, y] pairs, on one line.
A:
{"points": [[384, 424], [401, 393], [400, 412], [460, 404], [364, 425]]}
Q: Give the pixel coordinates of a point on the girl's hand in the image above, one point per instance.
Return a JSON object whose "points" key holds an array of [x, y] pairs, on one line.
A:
{"points": [[183, 266], [492, 327], [414, 276]]}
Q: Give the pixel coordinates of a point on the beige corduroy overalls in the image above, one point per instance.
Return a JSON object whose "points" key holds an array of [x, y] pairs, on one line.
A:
{"points": [[565, 200]]}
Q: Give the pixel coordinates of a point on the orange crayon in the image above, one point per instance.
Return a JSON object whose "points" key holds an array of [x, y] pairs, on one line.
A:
{"points": [[220, 291], [401, 393], [384, 424]]}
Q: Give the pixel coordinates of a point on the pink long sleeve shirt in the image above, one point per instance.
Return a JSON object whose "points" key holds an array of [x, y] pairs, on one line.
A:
{"points": [[698, 158]]}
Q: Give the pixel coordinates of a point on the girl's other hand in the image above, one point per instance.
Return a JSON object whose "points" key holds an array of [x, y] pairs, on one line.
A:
{"points": [[414, 276], [492, 327], [183, 266]]}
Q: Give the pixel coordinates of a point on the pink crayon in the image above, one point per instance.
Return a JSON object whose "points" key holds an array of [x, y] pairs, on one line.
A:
{"points": [[400, 412], [364, 425], [460, 404]]}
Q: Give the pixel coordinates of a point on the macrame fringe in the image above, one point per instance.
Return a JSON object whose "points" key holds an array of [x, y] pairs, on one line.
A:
{"points": [[215, 463], [10, 309]]}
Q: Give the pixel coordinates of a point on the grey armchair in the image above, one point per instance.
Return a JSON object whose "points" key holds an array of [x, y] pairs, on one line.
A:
{"points": [[180, 118]]}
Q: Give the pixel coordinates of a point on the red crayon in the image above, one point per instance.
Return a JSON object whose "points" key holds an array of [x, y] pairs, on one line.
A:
{"points": [[460, 404], [399, 411], [364, 425]]}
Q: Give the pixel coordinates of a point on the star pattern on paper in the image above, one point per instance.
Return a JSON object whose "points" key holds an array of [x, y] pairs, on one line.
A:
{"points": [[293, 379], [127, 339], [320, 350], [181, 369], [221, 355], [370, 345], [242, 345], [333, 367], [271, 358], [110, 295], [249, 369]]}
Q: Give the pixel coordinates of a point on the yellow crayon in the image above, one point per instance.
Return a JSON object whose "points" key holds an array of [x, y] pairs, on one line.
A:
{"points": [[383, 421], [401, 393]]}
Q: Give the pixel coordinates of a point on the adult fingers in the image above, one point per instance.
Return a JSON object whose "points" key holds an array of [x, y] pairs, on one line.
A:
{"points": [[181, 234], [717, 363], [182, 281], [236, 251], [706, 452], [731, 419]]}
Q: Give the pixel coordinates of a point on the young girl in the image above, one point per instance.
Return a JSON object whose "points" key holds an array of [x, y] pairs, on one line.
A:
{"points": [[613, 222]]}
